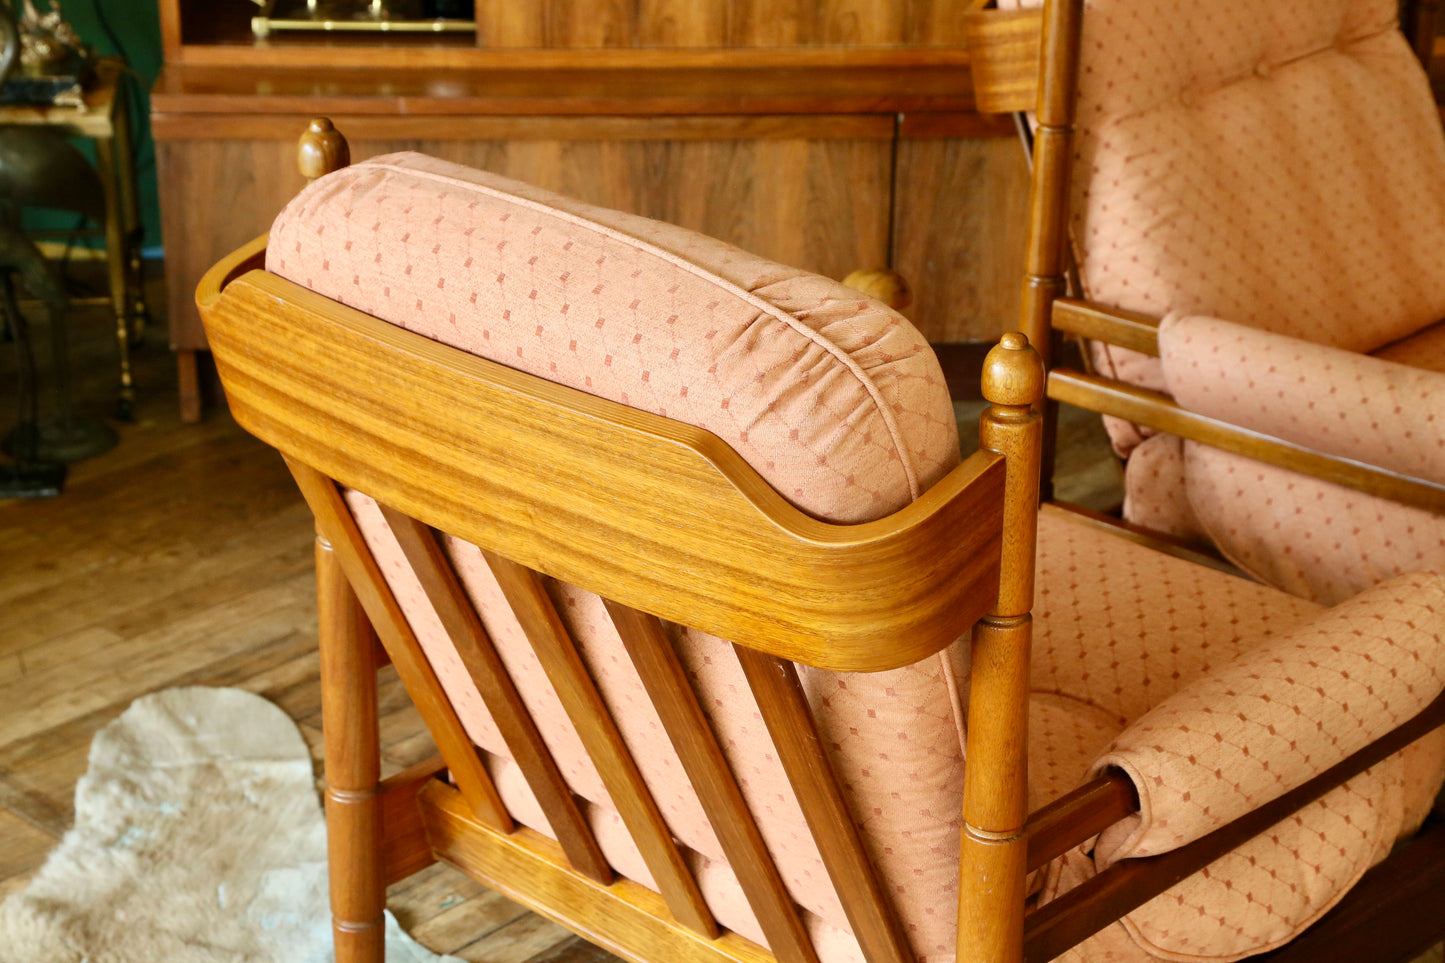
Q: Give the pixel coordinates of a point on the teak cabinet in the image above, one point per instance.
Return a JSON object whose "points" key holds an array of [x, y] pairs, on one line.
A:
{"points": [[831, 135]]}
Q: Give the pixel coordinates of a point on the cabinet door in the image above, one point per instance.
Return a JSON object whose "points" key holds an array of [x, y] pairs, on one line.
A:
{"points": [[960, 225], [810, 192]]}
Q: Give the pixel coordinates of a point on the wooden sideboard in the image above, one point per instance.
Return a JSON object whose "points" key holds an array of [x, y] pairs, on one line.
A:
{"points": [[831, 136]]}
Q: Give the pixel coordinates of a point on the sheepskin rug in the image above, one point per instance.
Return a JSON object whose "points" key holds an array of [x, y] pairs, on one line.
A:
{"points": [[198, 838]]}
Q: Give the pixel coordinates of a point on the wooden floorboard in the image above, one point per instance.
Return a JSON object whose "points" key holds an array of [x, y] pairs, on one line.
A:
{"points": [[182, 557]]}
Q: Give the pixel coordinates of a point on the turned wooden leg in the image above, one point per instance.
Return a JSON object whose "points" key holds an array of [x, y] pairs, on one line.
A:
{"points": [[353, 765], [993, 858], [190, 386]]}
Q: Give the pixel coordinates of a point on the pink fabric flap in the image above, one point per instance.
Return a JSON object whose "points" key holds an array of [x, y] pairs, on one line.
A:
{"points": [[1336, 401], [1280, 714]]}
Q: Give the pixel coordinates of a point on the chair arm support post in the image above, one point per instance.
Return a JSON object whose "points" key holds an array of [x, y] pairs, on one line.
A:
{"points": [[994, 846], [353, 764]]}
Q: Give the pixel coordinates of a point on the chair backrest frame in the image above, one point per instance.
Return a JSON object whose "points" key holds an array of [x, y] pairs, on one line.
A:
{"points": [[1026, 62], [450, 443]]}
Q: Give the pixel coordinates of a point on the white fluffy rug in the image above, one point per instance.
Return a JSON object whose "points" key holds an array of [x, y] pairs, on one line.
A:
{"points": [[198, 839]]}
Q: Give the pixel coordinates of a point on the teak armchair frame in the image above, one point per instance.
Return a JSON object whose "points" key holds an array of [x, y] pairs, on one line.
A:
{"points": [[548, 481], [1026, 62]]}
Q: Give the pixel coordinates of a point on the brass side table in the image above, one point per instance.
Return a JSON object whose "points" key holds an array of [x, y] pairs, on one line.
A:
{"points": [[104, 117]]}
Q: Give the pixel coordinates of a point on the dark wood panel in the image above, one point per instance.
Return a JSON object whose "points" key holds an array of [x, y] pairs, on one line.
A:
{"points": [[737, 24], [959, 233]]}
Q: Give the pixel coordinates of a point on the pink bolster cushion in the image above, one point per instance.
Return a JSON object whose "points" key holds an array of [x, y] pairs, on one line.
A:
{"points": [[1280, 714], [833, 398], [1329, 399], [1258, 727]]}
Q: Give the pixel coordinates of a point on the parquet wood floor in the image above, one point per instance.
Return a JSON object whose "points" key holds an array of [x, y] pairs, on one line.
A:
{"points": [[183, 557]]}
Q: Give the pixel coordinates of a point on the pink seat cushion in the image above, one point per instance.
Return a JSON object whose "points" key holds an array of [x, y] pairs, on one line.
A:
{"points": [[1162, 637]]}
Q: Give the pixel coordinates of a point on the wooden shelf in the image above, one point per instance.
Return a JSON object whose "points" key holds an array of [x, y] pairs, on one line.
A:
{"points": [[573, 91]]}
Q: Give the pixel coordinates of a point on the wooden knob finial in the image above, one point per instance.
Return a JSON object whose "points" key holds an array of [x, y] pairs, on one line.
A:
{"points": [[321, 150], [886, 285], [1013, 373]]}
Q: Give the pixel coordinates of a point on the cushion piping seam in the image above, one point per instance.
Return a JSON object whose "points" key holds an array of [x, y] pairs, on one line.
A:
{"points": [[884, 411]]}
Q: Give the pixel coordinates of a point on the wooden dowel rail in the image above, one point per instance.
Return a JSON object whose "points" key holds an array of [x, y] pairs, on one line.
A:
{"points": [[1075, 816], [1097, 322], [1129, 883], [1159, 411]]}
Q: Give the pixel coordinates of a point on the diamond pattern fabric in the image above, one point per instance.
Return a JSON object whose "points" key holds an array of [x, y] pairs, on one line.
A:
{"points": [[1310, 537], [839, 403], [1274, 163]]}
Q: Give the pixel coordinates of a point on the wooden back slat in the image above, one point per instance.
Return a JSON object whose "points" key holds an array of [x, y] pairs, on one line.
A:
{"points": [[558, 655], [433, 569], [511, 463], [334, 522], [784, 708], [717, 789]]}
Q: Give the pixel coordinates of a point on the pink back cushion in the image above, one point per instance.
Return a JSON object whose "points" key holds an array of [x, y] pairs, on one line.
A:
{"points": [[1276, 163], [836, 400]]}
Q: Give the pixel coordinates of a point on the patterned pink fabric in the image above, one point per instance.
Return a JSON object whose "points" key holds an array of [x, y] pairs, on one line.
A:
{"points": [[1310, 537], [774, 362], [1271, 718], [1335, 401], [836, 401], [1099, 658], [1154, 490], [1268, 161], [506, 271], [1424, 349], [1275, 163]]}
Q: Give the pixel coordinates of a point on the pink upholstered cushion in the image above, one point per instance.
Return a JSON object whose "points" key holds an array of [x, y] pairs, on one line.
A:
{"points": [[1309, 537], [1154, 489], [1278, 714], [1159, 628], [834, 399], [1340, 402], [1423, 349], [1274, 162]]}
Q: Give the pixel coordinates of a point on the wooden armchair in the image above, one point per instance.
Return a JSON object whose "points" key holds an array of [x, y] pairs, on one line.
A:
{"points": [[557, 455], [1247, 199]]}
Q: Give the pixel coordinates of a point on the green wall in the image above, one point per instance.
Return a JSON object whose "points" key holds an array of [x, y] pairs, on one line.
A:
{"points": [[133, 32]]}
